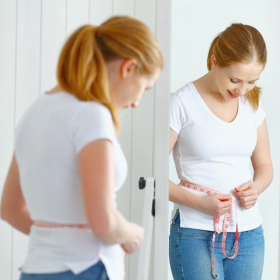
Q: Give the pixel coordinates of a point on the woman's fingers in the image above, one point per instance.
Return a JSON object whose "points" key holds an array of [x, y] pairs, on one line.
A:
{"points": [[243, 187], [224, 204], [247, 194]]}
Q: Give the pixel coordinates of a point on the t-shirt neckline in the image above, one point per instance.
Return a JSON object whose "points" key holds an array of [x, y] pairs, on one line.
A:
{"points": [[202, 102]]}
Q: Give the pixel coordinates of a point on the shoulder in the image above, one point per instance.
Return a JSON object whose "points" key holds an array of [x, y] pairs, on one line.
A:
{"points": [[92, 115], [185, 91], [185, 98], [184, 95], [92, 121], [94, 109]]}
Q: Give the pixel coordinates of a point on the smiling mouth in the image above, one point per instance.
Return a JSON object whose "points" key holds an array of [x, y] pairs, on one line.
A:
{"points": [[232, 95]]}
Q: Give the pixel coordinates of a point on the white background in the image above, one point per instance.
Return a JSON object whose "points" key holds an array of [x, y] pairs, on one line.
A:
{"points": [[194, 26], [32, 33]]}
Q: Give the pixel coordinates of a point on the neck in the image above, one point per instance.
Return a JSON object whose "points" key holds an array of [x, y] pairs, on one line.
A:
{"points": [[210, 82], [207, 84]]}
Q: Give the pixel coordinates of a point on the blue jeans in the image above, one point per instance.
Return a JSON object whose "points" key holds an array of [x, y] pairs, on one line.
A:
{"points": [[190, 254], [95, 272]]}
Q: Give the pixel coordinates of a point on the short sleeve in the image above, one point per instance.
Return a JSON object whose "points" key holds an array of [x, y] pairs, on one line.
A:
{"points": [[177, 113], [92, 122], [259, 115]]}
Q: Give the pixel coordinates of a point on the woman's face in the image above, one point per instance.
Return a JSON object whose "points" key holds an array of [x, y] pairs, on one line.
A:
{"points": [[237, 79], [127, 85]]}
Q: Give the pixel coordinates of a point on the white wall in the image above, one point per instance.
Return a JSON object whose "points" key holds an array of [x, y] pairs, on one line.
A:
{"points": [[194, 26], [31, 36]]}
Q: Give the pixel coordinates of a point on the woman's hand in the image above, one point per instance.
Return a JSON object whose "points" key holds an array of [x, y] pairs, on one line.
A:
{"points": [[215, 205], [248, 194], [135, 237]]}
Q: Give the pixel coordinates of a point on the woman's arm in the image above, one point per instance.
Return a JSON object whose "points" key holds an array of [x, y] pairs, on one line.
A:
{"points": [[263, 170], [215, 205], [261, 160], [13, 207], [96, 167]]}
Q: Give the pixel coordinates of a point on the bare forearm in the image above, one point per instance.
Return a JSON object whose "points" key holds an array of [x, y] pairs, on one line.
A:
{"points": [[116, 229], [119, 229], [19, 219], [180, 196], [263, 176]]}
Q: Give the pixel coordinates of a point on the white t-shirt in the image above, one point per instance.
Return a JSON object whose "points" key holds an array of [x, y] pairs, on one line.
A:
{"points": [[48, 139], [212, 153]]}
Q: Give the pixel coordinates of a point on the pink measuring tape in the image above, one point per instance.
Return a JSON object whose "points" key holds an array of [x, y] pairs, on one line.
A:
{"points": [[217, 229], [53, 225]]}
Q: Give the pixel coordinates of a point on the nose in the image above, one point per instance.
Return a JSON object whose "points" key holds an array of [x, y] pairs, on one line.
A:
{"points": [[135, 104], [241, 90]]}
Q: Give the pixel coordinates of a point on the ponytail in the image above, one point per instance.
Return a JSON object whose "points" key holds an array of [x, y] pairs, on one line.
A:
{"points": [[82, 72], [254, 97]]}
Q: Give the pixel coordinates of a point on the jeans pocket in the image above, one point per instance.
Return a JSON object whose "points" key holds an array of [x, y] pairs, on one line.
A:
{"points": [[257, 231], [192, 233]]}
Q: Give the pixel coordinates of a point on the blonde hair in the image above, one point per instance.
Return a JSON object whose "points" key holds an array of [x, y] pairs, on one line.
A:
{"points": [[239, 43], [81, 67]]}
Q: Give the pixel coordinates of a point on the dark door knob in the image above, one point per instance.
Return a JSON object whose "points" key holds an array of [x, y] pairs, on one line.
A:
{"points": [[142, 183]]}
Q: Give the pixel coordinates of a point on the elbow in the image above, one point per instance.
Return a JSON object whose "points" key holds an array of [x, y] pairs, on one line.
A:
{"points": [[3, 214], [2, 217], [102, 228]]}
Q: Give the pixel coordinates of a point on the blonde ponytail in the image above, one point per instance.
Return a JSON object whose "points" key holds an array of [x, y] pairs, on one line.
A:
{"points": [[82, 72], [254, 97]]}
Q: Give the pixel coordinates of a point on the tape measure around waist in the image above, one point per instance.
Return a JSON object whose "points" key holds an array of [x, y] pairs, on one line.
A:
{"points": [[209, 191], [55, 225]]}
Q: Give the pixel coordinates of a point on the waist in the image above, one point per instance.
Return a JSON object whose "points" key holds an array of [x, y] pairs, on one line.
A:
{"points": [[192, 218]]}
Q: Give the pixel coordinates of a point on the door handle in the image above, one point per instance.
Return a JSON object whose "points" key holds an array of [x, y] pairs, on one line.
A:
{"points": [[142, 186]]}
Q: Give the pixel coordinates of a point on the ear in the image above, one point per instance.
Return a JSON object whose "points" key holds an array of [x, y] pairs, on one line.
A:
{"points": [[128, 67], [213, 61]]}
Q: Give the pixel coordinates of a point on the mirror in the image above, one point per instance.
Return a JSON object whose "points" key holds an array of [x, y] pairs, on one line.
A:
{"points": [[194, 25], [31, 42]]}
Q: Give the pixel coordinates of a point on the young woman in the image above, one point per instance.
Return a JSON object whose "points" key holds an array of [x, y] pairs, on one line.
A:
{"points": [[218, 131], [68, 164]]}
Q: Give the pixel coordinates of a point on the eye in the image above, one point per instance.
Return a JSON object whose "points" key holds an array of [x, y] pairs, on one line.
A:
{"points": [[233, 81], [252, 83]]}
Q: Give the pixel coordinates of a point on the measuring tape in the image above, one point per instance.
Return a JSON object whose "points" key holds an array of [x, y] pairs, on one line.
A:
{"points": [[54, 225], [217, 229]]}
